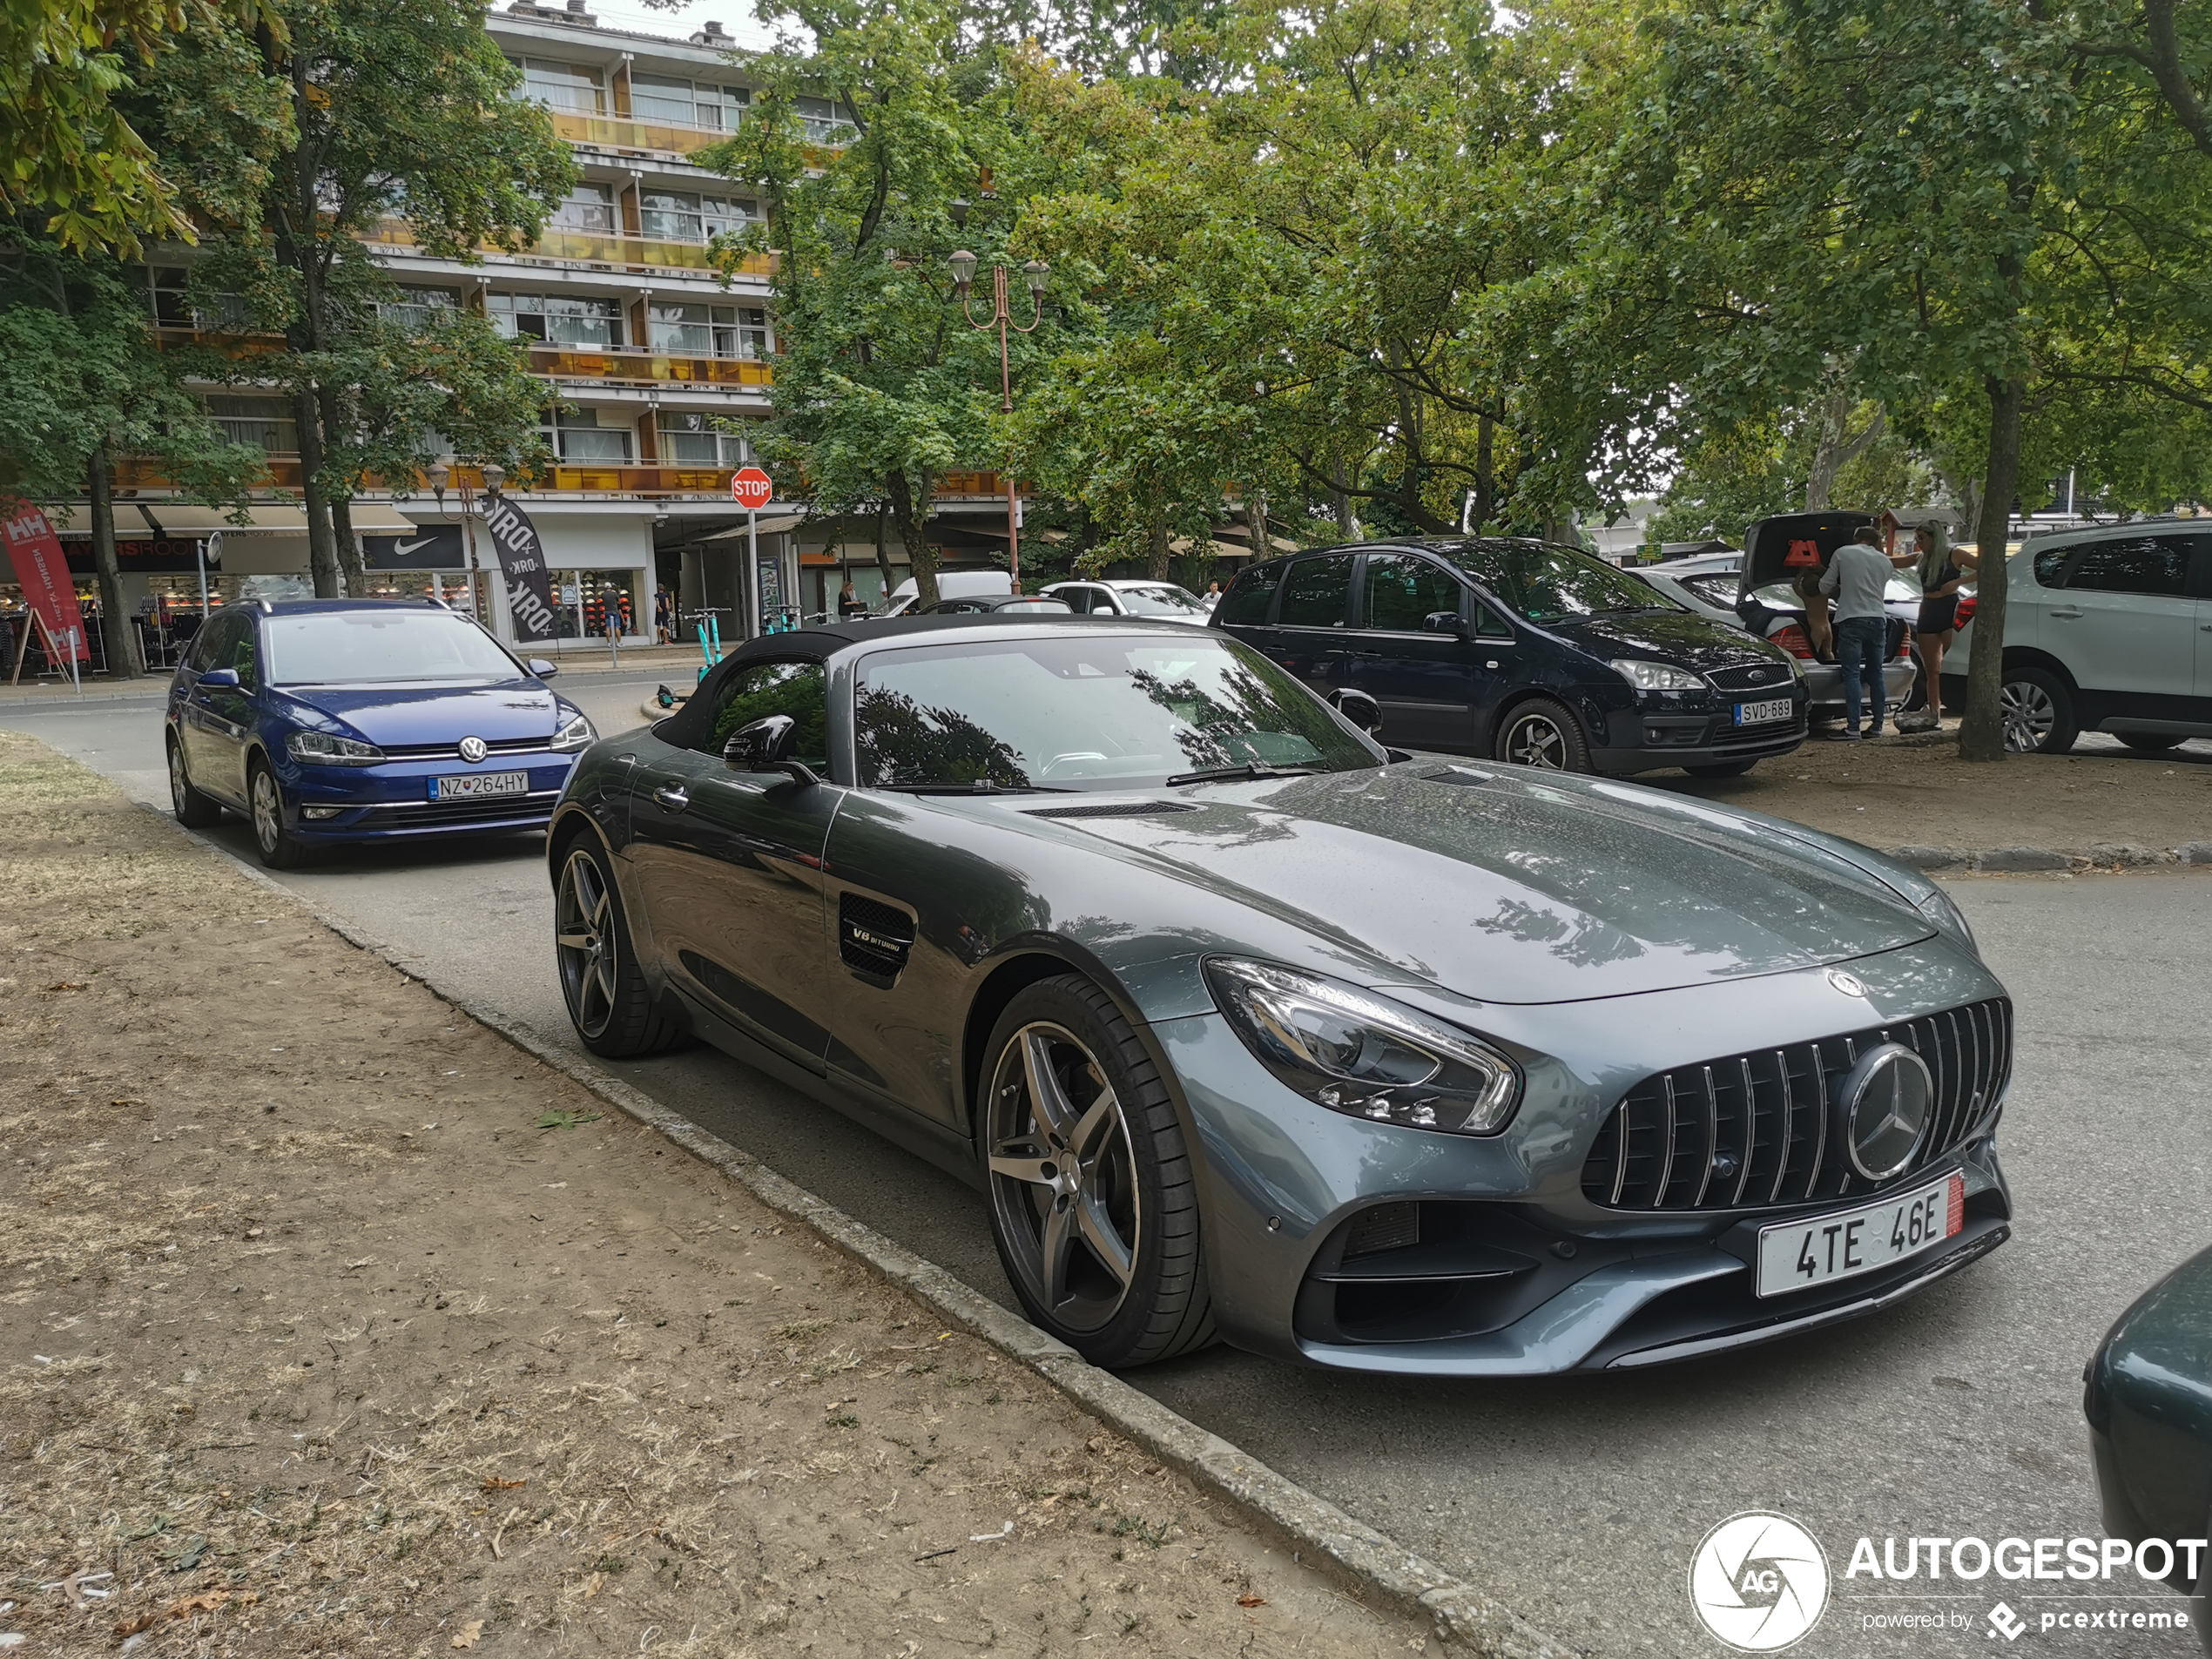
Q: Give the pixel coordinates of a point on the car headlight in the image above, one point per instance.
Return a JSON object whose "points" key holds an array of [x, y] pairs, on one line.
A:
{"points": [[1656, 676], [328, 749], [1362, 1055], [1940, 908], [576, 734]]}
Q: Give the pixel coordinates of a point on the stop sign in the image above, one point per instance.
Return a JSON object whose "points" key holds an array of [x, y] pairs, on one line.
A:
{"points": [[750, 488]]}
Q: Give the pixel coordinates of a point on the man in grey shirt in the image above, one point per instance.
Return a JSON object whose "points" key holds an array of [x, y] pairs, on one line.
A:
{"points": [[1855, 578]]}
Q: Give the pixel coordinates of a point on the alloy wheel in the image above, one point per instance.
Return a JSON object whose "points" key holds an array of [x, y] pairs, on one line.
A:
{"points": [[1064, 1176], [268, 811], [2030, 715], [584, 942], [179, 788], [1536, 740]]}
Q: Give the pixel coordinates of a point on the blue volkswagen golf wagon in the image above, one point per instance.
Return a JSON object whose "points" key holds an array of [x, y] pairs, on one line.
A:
{"points": [[337, 720]]}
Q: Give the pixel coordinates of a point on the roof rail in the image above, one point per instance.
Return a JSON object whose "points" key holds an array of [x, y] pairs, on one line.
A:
{"points": [[267, 610]]}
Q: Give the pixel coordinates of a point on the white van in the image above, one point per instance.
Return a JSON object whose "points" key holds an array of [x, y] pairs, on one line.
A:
{"points": [[951, 585]]}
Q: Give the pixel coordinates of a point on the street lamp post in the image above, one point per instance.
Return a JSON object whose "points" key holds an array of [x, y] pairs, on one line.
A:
{"points": [[1036, 272]]}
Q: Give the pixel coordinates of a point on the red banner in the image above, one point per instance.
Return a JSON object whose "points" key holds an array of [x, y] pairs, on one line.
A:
{"points": [[43, 572]]}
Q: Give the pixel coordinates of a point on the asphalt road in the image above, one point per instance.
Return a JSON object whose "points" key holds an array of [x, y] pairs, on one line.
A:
{"points": [[1579, 1503]]}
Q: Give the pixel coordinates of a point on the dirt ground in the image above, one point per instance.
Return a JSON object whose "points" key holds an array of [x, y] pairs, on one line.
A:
{"points": [[331, 1324], [1916, 792]]}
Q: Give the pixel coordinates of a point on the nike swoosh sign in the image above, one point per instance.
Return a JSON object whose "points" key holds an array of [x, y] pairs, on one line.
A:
{"points": [[401, 549]]}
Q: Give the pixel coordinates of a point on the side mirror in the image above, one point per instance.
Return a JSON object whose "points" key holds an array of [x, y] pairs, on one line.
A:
{"points": [[1445, 622], [220, 679], [542, 669], [1358, 708], [766, 746]]}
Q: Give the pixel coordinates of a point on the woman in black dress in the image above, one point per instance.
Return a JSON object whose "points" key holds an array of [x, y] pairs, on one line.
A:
{"points": [[1941, 567]]}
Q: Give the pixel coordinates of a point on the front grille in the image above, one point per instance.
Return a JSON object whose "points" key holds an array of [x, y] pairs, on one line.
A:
{"points": [[452, 751], [1767, 1127], [433, 815], [1770, 676], [1115, 809]]}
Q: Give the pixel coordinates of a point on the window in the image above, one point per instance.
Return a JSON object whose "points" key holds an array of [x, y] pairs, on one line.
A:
{"points": [[212, 647], [559, 320], [824, 122], [1315, 593], [1547, 583], [1249, 596], [2158, 565], [419, 307], [588, 207], [697, 441], [1085, 601], [710, 331], [2050, 566], [800, 690], [1163, 600], [266, 421], [687, 103], [679, 216], [564, 86], [373, 646], [575, 434], [1403, 590], [172, 308], [1713, 590]]}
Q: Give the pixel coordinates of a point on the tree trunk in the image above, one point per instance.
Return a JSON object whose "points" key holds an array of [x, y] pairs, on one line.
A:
{"points": [[911, 507], [1485, 473], [883, 553], [1340, 500], [1155, 543], [1981, 734], [322, 553], [349, 548], [1837, 448], [115, 621], [1255, 522]]}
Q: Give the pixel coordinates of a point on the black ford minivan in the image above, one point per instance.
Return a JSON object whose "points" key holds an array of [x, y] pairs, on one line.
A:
{"points": [[1524, 651]]}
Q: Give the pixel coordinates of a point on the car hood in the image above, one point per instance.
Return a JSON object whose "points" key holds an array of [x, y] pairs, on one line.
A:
{"points": [[1505, 885], [1678, 636], [434, 713]]}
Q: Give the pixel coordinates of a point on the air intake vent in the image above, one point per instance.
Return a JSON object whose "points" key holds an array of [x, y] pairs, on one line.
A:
{"points": [[1115, 809], [1387, 1226], [872, 938]]}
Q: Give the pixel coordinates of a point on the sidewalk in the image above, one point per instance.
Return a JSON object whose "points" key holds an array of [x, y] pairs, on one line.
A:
{"points": [[333, 1322]]}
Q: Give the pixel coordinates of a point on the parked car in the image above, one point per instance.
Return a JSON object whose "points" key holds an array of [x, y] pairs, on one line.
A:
{"points": [[2147, 1396], [2107, 629], [1766, 602], [1525, 652], [1247, 1031], [951, 584], [337, 720], [1027, 604], [1163, 601]]}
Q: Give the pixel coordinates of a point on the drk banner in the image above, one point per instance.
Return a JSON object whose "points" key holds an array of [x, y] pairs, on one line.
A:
{"points": [[522, 561]]}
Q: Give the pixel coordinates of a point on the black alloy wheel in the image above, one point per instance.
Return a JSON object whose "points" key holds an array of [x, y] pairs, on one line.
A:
{"points": [[1541, 733], [1093, 1202], [2038, 708], [194, 810], [273, 837], [609, 1003]]}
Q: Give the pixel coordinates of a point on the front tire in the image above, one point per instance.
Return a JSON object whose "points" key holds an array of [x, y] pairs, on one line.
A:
{"points": [[2039, 712], [194, 810], [1543, 734], [609, 1003], [273, 837], [1094, 1200]]}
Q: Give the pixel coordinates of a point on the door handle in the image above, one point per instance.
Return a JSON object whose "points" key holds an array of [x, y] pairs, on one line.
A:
{"points": [[675, 796], [2064, 616]]}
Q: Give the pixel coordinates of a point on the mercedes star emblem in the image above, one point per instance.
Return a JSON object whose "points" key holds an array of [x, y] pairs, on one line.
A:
{"points": [[1849, 984], [474, 749], [1888, 1099]]}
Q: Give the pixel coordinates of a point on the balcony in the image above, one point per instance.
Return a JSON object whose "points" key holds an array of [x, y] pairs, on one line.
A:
{"points": [[561, 477], [646, 369], [637, 253], [618, 132], [972, 484]]}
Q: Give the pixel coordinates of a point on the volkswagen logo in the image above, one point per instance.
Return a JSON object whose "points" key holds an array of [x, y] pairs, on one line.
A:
{"points": [[474, 749], [1888, 1099], [1849, 984]]}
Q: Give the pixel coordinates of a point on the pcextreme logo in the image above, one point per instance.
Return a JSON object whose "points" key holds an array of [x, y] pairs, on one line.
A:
{"points": [[1759, 1582]]}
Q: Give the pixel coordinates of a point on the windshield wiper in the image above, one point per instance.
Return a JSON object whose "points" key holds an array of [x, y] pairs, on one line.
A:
{"points": [[1250, 769], [980, 786]]}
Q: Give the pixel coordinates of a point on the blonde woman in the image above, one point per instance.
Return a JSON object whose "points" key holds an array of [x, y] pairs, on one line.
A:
{"points": [[1941, 569]]}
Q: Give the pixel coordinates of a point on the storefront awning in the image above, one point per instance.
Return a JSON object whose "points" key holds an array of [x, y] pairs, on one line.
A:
{"points": [[179, 519], [130, 524], [772, 525], [380, 518]]}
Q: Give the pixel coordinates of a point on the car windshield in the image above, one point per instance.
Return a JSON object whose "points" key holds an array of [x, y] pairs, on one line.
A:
{"points": [[371, 646], [1713, 590], [1090, 712], [1162, 601], [1547, 583]]}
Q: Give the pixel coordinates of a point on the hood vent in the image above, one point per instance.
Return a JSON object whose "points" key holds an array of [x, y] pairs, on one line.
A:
{"points": [[1115, 809]]}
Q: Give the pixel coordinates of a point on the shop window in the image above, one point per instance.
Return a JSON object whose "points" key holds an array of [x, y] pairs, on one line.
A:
{"points": [[266, 422], [710, 331], [698, 440], [688, 104], [564, 86], [588, 598], [559, 320]]}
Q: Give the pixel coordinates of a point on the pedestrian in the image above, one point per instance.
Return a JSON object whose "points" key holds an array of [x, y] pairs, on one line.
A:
{"points": [[1942, 568], [1806, 585], [849, 602], [663, 623], [1856, 579]]}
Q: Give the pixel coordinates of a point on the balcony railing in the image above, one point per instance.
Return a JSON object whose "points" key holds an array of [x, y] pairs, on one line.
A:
{"points": [[649, 367], [971, 484], [589, 477], [621, 133], [600, 247]]}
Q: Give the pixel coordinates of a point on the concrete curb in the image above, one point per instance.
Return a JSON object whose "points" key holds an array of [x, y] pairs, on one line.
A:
{"points": [[2101, 855], [1466, 1620]]}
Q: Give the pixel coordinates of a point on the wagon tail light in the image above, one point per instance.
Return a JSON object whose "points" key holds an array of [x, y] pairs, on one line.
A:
{"points": [[1363, 1055], [1966, 611], [1792, 638]]}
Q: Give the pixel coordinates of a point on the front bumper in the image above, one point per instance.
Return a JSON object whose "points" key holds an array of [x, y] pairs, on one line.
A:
{"points": [[1511, 1271], [392, 801], [1644, 740]]}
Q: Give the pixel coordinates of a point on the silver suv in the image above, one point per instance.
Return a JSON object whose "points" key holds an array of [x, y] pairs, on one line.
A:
{"points": [[2108, 630]]}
